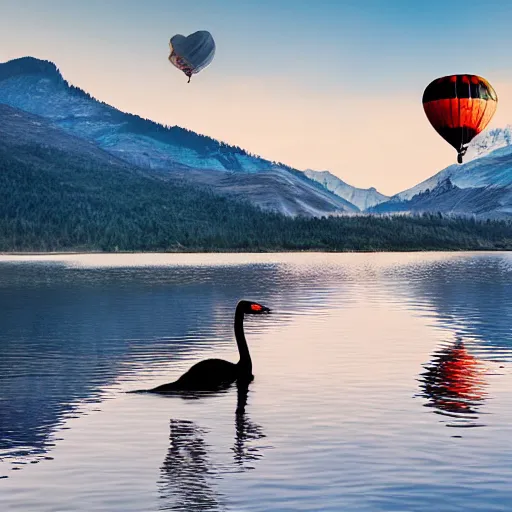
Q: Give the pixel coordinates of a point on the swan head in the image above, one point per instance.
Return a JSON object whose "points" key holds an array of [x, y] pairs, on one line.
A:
{"points": [[249, 307]]}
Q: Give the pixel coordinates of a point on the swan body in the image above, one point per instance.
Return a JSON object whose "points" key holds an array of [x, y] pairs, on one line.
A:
{"points": [[206, 375]]}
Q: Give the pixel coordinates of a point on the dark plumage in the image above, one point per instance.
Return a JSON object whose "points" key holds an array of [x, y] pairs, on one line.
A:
{"points": [[215, 374]]}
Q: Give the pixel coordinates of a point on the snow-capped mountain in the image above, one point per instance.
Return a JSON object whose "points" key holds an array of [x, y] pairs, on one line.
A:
{"points": [[445, 197], [486, 164], [482, 186], [497, 141], [363, 198], [37, 87]]}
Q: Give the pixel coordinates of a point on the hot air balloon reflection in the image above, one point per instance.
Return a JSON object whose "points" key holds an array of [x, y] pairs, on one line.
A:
{"points": [[454, 383], [193, 53], [459, 107]]}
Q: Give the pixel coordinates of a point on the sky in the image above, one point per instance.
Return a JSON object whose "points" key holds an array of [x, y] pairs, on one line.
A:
{"points": [[317, 84]]}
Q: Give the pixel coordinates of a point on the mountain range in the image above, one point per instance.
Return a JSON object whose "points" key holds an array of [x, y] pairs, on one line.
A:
{"points": [[41, 107], [37, 87]]}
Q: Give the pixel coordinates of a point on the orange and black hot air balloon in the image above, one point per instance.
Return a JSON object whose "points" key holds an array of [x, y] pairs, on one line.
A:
{"points": [[459, 107]]}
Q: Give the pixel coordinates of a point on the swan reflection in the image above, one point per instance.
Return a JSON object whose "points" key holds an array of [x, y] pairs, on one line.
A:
{"points": [[188, 473], [246, 432]]}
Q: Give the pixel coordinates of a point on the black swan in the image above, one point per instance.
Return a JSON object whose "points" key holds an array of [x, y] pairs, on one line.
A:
{"points": [[215, 374]]}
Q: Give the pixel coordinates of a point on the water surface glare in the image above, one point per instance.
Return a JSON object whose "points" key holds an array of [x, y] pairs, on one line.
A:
{"points": [[382, 383]]}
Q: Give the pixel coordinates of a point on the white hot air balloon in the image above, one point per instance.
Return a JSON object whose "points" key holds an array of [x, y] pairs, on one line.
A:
{"points": [[193, 53]]}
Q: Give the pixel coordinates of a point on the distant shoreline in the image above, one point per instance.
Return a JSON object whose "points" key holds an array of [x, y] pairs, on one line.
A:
{"points": [[234, 251]]}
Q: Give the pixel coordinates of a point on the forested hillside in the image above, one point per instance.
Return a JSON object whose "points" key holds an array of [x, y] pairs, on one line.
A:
{"points": [[54, 201]]}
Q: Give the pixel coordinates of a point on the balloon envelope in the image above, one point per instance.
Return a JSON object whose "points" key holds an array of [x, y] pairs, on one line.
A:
{"points": [[193, 53], [459, 107]]}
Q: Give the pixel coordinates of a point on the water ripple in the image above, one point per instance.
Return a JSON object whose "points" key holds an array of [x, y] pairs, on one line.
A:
{"points": [[363, 363]]}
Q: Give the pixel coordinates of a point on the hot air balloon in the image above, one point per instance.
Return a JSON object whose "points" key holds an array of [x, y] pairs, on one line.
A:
{"points": [[193, 53], [459, 107]]}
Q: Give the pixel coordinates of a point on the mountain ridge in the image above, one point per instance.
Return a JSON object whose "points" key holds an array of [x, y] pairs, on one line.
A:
{"points": [[362, 198], [38, 87]]}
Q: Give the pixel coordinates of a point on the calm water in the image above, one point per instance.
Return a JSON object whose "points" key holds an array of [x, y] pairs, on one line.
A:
{"points": [[383, 383]]}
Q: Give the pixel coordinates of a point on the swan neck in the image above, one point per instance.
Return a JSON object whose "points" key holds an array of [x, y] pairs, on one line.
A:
{"points": [[243, 349]]}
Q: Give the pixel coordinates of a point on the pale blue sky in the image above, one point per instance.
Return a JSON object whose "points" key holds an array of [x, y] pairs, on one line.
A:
{"points": [[309, 83]]}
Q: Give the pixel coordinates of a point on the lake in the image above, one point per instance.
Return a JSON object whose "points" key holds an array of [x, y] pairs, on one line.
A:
{"points": [[382, 383]]}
